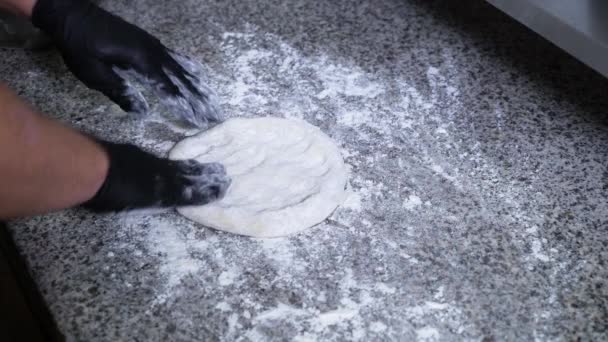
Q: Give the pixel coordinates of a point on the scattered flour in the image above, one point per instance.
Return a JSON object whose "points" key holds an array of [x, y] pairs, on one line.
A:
{"points": [[537, 251], [353, 201], [223, 306], [426, 308], [347, 314], [280, 312], [305, 338], [412, 202], [377, 327], [167, 242], [438, 169], [346, 81], [427, 334], [233, 323], [228, 277], [280, 253], [354, 118], [381, 287], [244, 88], [315, 87]]}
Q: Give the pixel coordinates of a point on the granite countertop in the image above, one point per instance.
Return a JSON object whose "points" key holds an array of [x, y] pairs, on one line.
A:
{"points": [[478, 198]]}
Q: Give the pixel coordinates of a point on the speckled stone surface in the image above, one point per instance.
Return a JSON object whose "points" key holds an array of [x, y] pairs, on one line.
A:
{"points": [[478, 206]]}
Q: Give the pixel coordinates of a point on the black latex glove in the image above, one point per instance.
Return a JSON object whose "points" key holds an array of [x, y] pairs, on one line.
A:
{"points": [[138, 179], [101, 49]]}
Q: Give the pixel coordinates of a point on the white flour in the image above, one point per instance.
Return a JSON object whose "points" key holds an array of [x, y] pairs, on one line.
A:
{"points": [[322, 89]]}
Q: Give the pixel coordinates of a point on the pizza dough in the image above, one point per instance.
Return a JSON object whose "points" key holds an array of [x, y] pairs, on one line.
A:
{"points": [[286, 174]]}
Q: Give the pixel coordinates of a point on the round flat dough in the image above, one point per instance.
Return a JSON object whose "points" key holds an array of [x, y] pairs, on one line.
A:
{"points": [[286, 174]]}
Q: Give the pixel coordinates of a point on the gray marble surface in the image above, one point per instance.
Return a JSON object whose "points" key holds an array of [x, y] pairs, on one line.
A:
{"points": [[478, 197]]}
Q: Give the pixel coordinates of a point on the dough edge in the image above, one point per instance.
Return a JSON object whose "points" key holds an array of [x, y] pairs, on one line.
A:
{"points": [[272, 224]]}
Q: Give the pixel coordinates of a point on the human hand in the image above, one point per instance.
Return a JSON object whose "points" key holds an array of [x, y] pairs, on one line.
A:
{"points": [[104, 51], [138, 179]]}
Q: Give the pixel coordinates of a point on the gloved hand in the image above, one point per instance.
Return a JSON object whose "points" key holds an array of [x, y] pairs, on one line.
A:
{"points": [[138, 179], [101, 49]]}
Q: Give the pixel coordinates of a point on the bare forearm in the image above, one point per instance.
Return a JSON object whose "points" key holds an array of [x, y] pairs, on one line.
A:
{"points": [[44, 165], [22, 7]]}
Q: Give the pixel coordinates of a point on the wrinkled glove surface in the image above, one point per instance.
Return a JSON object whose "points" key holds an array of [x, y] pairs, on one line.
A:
{"points": [[100, 48], [138, 179]]}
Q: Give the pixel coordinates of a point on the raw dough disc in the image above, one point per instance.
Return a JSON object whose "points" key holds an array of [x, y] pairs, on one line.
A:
{"points": [[286, 174]]}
